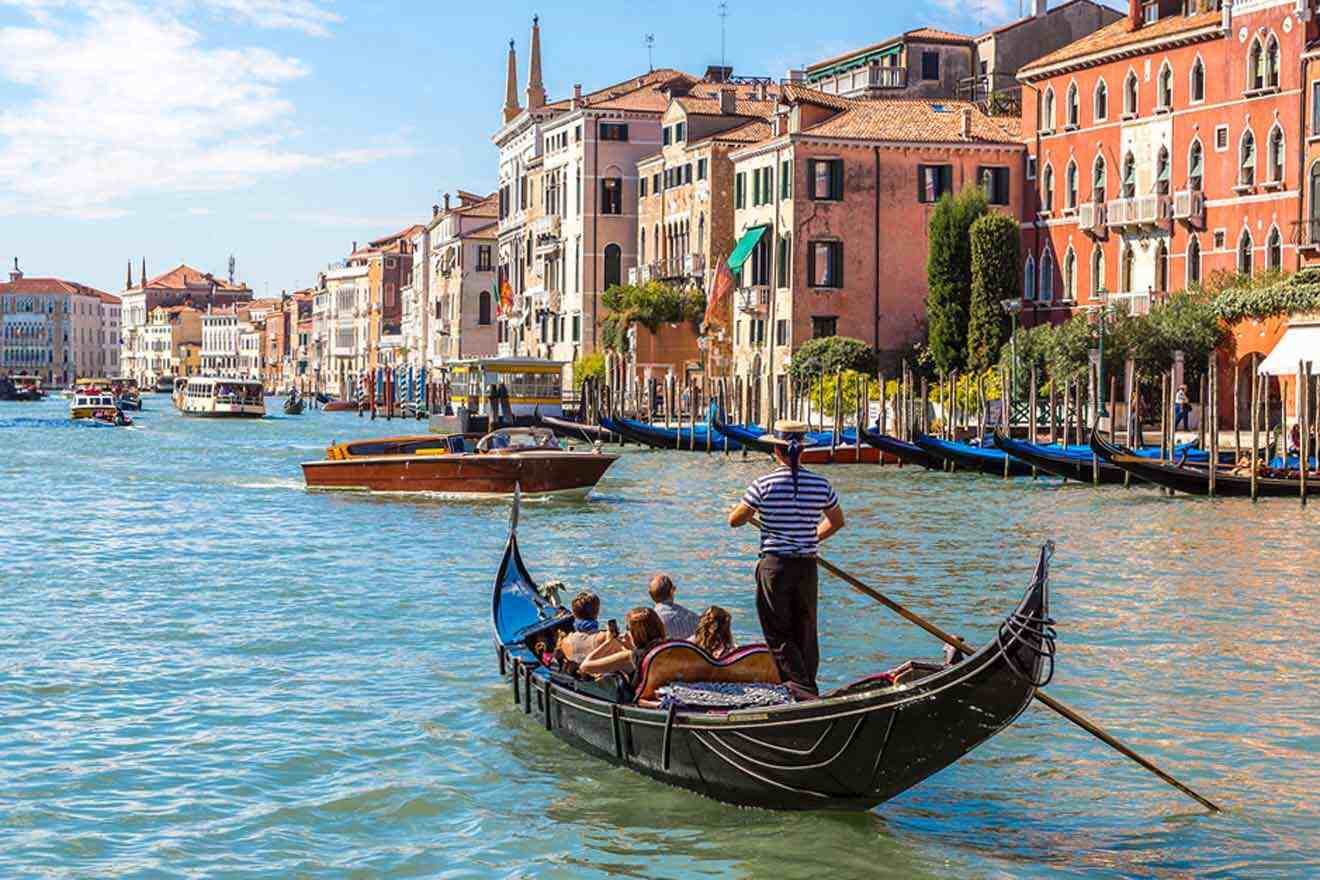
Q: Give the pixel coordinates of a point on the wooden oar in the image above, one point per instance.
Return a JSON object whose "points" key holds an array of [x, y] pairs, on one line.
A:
{"points": [[1071, 714]]}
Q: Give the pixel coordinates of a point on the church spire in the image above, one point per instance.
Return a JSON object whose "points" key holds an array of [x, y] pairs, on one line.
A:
{"points": [[511, 108], [143, 279], [535, 88], [128, 284]]}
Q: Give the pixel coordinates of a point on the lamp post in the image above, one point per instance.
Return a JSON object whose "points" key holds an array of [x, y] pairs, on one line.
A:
{"points": [[1013, 307], [1101, 411]]}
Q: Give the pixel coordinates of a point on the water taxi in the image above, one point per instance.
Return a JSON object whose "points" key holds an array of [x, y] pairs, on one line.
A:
{"points": [[466, 464], [214, 397], [165, 385], [21, 387], [98, 406]]}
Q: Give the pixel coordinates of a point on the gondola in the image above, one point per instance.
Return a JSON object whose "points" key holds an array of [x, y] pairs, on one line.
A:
{"points": [[567, 429], [1061, 462], [749, 437], [687, 438], [850, 750], [1196, 481], [293, 405], [905, 452], [964, 456]]}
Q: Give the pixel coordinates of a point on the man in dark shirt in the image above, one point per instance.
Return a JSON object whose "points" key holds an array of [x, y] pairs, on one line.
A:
{"points": [[797, 509]]}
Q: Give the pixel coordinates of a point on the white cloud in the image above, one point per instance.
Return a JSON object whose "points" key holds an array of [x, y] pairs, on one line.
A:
{"points": [[990, 13], [130, 100]]}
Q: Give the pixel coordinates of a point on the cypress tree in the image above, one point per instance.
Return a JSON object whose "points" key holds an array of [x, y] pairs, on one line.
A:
{"points": [[995, 277], [949, 275]]}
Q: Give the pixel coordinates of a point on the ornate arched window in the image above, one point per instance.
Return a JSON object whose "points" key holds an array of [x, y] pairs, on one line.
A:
{"points": [[1047, 114], [1195, 166], [1198, 81], [1162, 171], [1272, 64], [1097, 271], [1244, 253], [1165, 93], [1047, 189], [1130, 105], [1046, 276], [1247, 159], [1070, 187], [1074, 107], [613, 265], [1256, 66], [1274, 250], [1276, 155], [1099, 175], [1129, 176], [1029, 279], [1125, 269], [1193, 261], [1101, 101], [1161, 267], [1070, 276]]}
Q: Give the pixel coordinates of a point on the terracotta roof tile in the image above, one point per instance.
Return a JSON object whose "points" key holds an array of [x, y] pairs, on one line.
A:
{"points": [[389, 239], [749, 132], [936, 35], [742, 106], [601, 97], [796, 93], [1120, 34], [926, 34], [487, 207], [183, 277], [914, 120], [54, 285]]}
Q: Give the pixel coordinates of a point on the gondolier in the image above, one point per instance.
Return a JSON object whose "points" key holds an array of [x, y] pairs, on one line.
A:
{"points": [[798, 509]]}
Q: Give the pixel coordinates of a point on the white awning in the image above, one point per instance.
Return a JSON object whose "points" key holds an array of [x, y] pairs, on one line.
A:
{"points": [[1299, 343]]}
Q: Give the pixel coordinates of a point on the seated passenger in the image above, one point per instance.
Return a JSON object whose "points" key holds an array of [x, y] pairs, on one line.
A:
{"points": [[715, 632], [680, 623], [586, 634], [625, 654]]}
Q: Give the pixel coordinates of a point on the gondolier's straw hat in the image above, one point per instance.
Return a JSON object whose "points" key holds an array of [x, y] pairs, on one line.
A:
{"points": [[787, 430]]}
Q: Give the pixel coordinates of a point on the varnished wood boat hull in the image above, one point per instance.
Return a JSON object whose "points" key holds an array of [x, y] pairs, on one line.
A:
{"points": [[537, 473]]}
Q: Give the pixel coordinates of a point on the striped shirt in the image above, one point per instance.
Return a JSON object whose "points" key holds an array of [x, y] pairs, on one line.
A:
{"points": [[789, 523]]}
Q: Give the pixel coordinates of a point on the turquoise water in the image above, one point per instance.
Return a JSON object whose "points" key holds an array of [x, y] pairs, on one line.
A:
{"points": [[206, 671]]}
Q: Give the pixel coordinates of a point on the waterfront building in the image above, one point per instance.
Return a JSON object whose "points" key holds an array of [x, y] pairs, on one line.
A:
{"points": [[276, 351], [346, 324], [932, 63], [109, 334], [389, 270], [831, 213], [223, 330], [463, 289], [51, 328], [1163, 148], [181, 285], [168, 330]]}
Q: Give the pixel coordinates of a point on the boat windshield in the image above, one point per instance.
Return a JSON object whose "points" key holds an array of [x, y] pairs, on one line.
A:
{"points": [[237, 392]]}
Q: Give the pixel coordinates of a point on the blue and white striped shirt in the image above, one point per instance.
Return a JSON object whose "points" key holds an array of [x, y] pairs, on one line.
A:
{"points": [[789, 522]]}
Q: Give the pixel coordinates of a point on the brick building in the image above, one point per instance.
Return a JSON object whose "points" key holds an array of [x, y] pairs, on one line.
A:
{"points": [[52, 329], [832, 213]]}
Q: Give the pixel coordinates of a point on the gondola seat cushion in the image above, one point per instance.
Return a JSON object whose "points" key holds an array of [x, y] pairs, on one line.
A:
{"points": [[680, 661]]}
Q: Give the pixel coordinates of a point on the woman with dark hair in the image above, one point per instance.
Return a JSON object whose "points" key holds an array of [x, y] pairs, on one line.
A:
{"points": [[714, 632], [645, 630], [797, 509]]}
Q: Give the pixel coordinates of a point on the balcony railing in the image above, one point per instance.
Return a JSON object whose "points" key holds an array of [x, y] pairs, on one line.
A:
{"points": [[1138, 303], [1150, 210], [1189, 205], [1306, 233], [1091, 216], [883, 77], [675, 267], [754, 300]]}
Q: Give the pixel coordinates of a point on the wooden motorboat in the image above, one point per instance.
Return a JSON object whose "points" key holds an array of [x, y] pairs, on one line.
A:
{"points": [[850, 750], [1196, 480], [905, 452], [467, 464], [21, 388], [340, 406], [966, 457]]}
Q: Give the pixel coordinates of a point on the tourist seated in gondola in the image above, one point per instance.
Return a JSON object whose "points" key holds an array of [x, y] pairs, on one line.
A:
{"points": [[680, 623], [644, 630], [714, 633], [587, 634]]}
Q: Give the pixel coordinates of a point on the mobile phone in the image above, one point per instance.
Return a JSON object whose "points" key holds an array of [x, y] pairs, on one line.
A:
{"points": [[613, 626]]}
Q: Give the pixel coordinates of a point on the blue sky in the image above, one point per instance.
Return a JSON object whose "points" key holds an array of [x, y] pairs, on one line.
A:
{"points": [[282, 130]]}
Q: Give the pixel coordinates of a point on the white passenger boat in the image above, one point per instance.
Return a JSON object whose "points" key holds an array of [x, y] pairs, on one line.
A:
{"points": [[214, 397]]}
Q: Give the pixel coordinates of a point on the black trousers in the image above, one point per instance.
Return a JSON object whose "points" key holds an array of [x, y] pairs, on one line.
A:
{"points": [[786, 588]]}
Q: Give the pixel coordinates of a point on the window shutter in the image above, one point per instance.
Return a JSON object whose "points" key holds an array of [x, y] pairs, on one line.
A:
{"points": [[811, 264], [811, 179], [836, 179], [836, 257]]}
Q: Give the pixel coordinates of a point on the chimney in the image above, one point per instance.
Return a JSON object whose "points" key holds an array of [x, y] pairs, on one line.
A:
{"points": [[1042, 7], [446, 202], [967, 123], [728, 99], [577, 94], [354, 248], [760, 91], [128, 285], [511, 108], [1134, 14], [796, 76], [143, 278], [435, 211], [17, 273], [535, 89]]}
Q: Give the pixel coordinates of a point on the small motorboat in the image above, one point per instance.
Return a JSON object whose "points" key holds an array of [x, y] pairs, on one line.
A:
{"points": [[97, 406], [339, 406], [853, 748], [165, 385], [21, 388], [468, 464]]}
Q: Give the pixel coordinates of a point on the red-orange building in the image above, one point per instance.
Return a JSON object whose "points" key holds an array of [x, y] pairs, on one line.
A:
{"points": [[1164, 147]]}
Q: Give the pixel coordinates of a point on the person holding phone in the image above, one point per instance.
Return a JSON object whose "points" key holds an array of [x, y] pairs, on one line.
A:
{"points": [[625, 653]]}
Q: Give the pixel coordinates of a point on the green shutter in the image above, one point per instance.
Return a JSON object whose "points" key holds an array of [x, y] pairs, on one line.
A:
{"points": [[836, 257], [836, 179], [811, 263], [739, 185]]}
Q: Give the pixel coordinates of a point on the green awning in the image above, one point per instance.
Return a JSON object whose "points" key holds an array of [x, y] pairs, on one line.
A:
{"points": [[745, 246]]}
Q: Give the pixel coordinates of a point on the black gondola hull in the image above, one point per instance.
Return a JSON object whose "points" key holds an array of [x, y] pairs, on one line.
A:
{"points": [[1001, 466], [845, 752], [1196, 481], [907, 453], [1068, 467]]}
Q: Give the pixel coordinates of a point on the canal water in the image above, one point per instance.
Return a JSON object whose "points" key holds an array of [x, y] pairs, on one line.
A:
{"points": [[207, 671]]}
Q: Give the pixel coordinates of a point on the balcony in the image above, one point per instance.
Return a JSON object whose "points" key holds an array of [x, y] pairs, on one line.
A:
{"points": [[883, 77], [754, 300], [1137, 304], [1091, 217], [694, 264], [1306, 234], [672, 268], [1150, 210], [1189, 205]]}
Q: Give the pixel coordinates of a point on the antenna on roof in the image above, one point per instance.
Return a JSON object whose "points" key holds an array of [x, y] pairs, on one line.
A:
{"points": [[232, 264], [649, 42], [724, 16]]}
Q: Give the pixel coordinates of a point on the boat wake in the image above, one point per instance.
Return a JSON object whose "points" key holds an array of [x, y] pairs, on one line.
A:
{"points": [[50, 423]]}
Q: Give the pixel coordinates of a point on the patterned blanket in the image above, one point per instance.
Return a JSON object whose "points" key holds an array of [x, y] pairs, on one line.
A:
{"points": [[721, 695]]}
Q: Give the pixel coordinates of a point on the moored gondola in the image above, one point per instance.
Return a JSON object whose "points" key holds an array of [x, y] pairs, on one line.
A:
{"points": [[1057, 461], [1196, 480], [850, 750], [688, 438], [965, 457], [567, 429], [905, 452]]}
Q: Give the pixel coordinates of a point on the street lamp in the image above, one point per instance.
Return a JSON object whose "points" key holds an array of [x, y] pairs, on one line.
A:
{"points": [[1101, 411], [1013, 307]]}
